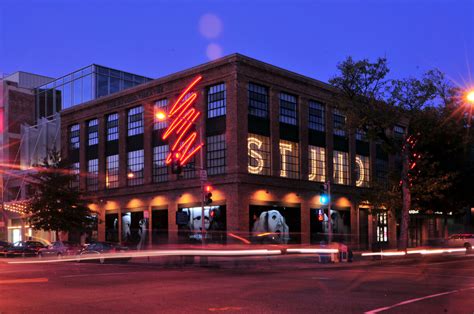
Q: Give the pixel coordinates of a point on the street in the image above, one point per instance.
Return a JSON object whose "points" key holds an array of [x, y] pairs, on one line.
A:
{"points": [[439, 285]]}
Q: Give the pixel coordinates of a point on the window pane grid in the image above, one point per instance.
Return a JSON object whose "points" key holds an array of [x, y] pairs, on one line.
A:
{"points": [[339, 123], [160, 170], [341, 167], [112, 127], [288, 111], [216, 154], [93, 132], [112, 172], [135, 163], [92, 181], [161, 105], [216, 101], [316, 116], [258, 100], [259, 154], [74, 134], [317, 164], [289, 160], [135, 121], [362, 171]]}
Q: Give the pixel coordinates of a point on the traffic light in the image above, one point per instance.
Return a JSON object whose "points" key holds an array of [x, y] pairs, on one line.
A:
{"points": [[320, 215], [208, 195], [323, 197], [176, 167]]}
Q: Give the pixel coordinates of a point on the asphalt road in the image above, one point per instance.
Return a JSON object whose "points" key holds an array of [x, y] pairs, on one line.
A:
{"points": [[437, 286]]}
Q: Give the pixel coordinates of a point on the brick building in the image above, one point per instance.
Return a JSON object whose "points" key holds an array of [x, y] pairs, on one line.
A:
{"points": [[270, 137]]}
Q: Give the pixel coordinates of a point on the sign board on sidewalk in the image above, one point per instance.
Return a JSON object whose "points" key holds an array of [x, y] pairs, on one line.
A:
{"points": [[203, 175]]}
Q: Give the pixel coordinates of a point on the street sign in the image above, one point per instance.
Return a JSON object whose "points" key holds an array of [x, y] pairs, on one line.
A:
{"points": [[203, 175]]}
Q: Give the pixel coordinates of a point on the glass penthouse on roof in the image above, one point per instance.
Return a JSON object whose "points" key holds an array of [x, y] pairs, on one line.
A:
{"points": [[86, 84]]}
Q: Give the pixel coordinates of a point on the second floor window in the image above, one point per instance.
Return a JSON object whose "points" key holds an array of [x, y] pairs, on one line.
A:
{"points": [[112, 127], [288, 109], [135, 121], [93, 132], [398, 131], [74, 136], [316, 116], [216, 101], [339, 121], [258, 101], [216, 153]]}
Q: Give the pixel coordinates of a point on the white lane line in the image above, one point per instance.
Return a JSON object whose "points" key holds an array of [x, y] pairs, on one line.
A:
{"points": [[320, 278], [416, 300]]}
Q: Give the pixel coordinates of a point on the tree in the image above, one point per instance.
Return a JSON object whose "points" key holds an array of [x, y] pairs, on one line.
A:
{"points": [[374, 104], [56, 205]]}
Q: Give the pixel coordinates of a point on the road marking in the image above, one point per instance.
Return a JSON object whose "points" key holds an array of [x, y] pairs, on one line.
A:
{"points": [[227, 308], [320, 278], [416, 300], [25, 280]]}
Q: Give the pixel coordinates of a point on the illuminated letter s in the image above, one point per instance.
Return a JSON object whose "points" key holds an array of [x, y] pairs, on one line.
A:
{"points": [[257, 169]]}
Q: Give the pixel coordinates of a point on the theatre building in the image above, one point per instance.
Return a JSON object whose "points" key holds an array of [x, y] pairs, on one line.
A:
{"points": [[269, 138]]}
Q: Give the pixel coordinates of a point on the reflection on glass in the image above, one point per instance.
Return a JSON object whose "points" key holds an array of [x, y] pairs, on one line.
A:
{"points": [[114, 85], [102, 85], [87, 88], [58, 98], [67, 96], [77, 92], [49, 103]]}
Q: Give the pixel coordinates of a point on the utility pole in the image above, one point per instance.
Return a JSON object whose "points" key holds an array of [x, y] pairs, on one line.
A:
{"points": [[329, 212]]}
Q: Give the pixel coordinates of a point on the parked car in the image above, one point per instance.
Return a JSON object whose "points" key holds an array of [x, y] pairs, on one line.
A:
{"points": [[4, 246], [462, 240], [101, 249], [24, 248], [60, 249]]}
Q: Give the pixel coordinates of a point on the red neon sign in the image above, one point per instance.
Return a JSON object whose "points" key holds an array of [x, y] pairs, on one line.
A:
{"points": [[183, 115]]}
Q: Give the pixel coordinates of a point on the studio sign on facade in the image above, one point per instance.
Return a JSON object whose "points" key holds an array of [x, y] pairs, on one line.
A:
{"points": [[259, 161]]}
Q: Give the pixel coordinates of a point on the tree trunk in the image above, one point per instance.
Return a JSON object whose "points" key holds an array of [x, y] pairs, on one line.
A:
{"points": [[405, 217], [57, 236]]}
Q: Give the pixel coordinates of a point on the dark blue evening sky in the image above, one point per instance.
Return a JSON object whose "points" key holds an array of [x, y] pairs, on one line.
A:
{"points": [[155, 38]]}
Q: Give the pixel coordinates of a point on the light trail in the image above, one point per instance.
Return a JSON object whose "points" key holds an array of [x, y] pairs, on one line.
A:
{"points": [[215, 253], [411, 252]]}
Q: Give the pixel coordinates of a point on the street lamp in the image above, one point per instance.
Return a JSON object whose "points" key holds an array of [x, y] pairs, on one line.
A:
{"points": [[470, 97], [160, 116]]}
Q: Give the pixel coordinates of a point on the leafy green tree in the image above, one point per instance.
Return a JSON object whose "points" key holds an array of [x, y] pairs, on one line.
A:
{"points": [[55, 204]]}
